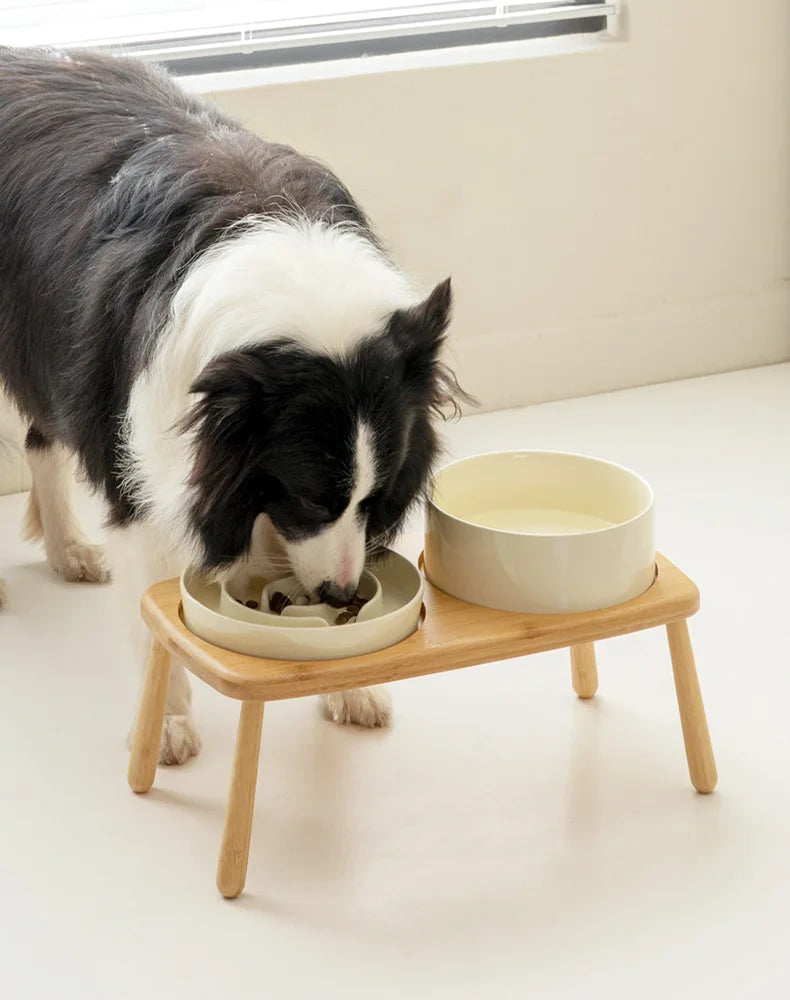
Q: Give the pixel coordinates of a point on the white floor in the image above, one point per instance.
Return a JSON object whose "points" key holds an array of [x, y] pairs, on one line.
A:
{"points": [[503, 840]]}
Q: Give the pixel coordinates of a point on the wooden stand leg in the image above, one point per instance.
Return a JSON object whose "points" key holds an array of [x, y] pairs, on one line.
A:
{"points": [[148, 731], [584, 672], [699, 753], [232, 866]]}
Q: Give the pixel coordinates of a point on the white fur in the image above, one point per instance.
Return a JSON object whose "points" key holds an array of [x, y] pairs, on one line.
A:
{"points": [[327, 286], [141, 557], [370, 707], [324, 286], [337, 554], [51, 514]]}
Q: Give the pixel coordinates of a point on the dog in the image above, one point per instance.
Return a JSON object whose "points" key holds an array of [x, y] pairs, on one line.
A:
{"points": [[207, 322]]}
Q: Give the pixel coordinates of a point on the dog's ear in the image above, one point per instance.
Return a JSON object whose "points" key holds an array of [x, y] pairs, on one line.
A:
{"points": [[419, 331], [233, 393], [228, 421], [419, 334], [433, 315], [436, 308]]}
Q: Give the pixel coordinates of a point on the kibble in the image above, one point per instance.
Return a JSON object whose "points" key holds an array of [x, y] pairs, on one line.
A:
{"points": [[251, 604], [349, 614], [279, 602]]}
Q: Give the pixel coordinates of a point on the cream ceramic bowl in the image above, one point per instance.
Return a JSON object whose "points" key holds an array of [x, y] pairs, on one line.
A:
{"points": [[540, 532], [395, 589], [234, 593]]}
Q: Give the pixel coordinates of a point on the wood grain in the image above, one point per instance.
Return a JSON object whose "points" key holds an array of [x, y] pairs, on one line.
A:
{"points": [[699, 752], [150, 714], [233, 855], [584, 671], [454, 634]]}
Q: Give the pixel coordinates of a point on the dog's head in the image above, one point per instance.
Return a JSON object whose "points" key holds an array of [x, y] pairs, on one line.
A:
{"points": [[332, 449]]}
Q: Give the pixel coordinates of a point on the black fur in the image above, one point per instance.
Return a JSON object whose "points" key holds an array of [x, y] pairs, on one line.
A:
{"points": [[261, 406], [35, 440], [112, 180]]}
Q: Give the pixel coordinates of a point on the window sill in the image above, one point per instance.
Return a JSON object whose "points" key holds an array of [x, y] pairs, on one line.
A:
{"points": [[534, 48]]}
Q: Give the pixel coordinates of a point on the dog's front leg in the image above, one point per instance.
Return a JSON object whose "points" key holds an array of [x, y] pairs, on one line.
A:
{"points": [[369, 707], [137, 555], [51, 516]]}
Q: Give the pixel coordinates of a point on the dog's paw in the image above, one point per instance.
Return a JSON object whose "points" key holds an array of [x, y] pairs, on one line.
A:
{"points": [[80, 560], [180, 740], [369, 707]]}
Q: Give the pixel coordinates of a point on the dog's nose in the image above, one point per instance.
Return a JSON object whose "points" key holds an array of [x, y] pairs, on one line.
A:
{"points": [[335, 595]]}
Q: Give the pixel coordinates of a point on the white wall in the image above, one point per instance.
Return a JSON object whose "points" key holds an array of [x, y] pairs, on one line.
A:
{"points": [[613, 215]]}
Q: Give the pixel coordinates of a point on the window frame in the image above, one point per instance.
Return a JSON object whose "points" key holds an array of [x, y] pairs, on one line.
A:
{"points": [[399, 45], [197, 53]]}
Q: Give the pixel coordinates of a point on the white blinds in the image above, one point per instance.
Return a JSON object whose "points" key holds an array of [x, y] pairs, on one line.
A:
{"points": [[174, 29]]}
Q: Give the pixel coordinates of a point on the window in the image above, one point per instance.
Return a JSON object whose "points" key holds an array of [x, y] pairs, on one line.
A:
{"points": [[195, 35]]}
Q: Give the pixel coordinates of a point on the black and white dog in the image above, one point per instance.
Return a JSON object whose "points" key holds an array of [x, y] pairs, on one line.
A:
{"points": [[206, 321]]}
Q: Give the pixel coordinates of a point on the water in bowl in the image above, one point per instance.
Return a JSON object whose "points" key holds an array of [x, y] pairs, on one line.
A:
{"points": [[538, 520]]}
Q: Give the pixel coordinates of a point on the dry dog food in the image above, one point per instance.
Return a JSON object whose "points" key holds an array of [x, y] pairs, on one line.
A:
{"points": [[251, 604], [279, 602], [349, 615]]}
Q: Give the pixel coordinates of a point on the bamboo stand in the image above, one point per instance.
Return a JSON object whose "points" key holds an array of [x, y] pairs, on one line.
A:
{"points": [[453, 634]]}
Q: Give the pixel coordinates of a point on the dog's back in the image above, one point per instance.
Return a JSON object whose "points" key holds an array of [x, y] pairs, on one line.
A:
{"points": [[112, 181]]}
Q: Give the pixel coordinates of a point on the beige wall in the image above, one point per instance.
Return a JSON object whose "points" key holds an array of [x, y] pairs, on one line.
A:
{"points": [[614, 216], [611, 216], [14, 475]]}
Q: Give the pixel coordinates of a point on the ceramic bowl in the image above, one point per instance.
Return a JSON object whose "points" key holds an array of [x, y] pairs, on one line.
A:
{"points": [[540, 532], [235, 593], [217, 613]]}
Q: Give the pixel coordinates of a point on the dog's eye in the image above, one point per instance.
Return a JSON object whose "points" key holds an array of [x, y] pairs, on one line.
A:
{"points": [[372, 507], [314, 510], [367, 505]]}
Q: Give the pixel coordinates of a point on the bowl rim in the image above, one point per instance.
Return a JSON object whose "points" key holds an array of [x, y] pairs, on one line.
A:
{"points": [[433, 505]]}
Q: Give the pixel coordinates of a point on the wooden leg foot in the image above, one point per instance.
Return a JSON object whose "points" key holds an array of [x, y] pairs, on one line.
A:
{"points": [[148, 731], [232, 866], [584, 672], [699, 753]]}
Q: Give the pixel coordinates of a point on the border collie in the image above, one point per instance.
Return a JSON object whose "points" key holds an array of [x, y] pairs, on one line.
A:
{"points": [[206, 321]]}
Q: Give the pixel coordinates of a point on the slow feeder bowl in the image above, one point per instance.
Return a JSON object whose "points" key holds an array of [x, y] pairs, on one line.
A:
{"points": [[540, 532], [236, 592], [217, 613]]}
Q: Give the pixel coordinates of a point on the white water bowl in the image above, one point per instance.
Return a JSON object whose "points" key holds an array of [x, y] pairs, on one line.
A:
{"points": [[395, 588], [540, 532]]}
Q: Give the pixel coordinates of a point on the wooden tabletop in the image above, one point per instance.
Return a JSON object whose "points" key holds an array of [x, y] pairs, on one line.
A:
{"points": [[453, 634]]}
